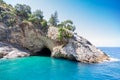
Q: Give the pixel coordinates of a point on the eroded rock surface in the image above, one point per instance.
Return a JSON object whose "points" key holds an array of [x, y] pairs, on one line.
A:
{"points": [[9, 51], [81, 50], [33, 38]]}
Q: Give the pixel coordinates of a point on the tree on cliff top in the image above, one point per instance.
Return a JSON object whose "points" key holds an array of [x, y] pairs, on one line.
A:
{"points": [[54, 19], [11, 15], [2, 2], [68, 24], [23, 11], [38, 14]]}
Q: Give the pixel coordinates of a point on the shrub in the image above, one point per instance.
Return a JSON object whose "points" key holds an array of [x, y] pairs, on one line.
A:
{"points": [[38, 14], [23, 10], [33, 19], [64, 33], [8, 18], [44, 23], [68, 24]]}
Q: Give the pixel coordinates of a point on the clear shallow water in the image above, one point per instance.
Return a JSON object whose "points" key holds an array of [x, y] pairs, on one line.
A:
{"points": [[46, 68]]}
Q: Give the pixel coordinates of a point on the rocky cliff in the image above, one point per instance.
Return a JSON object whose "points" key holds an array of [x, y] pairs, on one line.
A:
{"points": [[31, 39], [25, 34]]}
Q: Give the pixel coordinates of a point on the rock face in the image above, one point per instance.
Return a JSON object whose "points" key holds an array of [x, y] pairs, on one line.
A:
{"points": [[81, 50], [33, 39], [3, 32], [9, 51]]}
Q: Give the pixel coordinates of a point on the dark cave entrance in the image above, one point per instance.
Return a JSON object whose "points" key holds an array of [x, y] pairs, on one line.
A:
{"points": [[43, 52]]}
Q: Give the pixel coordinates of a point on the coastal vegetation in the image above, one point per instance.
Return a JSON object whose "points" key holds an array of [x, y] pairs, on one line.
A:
{"points": [[26, 33], [21, 12]]}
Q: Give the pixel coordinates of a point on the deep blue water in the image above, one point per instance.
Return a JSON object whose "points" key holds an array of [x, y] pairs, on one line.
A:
{"points": [[46, 68]]}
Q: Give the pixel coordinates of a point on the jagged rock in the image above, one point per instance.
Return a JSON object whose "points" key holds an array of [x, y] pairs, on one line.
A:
{"points": [[9, 51], [34, 39], [30, 37], [81, 50], [3, 33]]}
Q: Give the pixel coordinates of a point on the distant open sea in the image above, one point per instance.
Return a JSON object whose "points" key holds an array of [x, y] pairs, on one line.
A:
{"points": [[46, 68]]}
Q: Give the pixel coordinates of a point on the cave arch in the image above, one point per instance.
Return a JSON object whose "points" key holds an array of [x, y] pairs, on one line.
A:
{"points": [[43, 52]]}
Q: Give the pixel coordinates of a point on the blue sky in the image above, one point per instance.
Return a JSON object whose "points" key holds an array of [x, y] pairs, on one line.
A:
{"points": [[96, 20]]}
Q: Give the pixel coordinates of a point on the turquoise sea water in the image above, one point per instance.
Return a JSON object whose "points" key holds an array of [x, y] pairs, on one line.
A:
{"points": [[46, 68]]}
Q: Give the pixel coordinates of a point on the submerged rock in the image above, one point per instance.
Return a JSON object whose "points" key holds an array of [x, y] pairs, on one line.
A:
{"points": [[33, 38]]}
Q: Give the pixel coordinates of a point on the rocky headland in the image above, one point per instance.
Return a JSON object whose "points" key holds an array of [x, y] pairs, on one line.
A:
{"points": [[24, 38], [32, 39]]}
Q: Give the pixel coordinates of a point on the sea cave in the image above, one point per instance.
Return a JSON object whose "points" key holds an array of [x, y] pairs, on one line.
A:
{"points": [[43, 52]]}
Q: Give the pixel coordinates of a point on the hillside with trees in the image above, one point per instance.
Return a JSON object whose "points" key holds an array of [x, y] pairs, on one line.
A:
{"points": [[21, 12]]}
